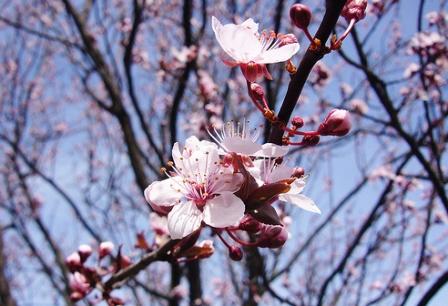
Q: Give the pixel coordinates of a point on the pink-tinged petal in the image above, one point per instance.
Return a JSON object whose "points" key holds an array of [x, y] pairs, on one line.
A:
{"points": [[224, 210], [227, 183], [301, 201], [239, 145], [277, 55], [183, 220], [257, 171], [272, 150], [280, 172], [164, 193], [297, 186]]}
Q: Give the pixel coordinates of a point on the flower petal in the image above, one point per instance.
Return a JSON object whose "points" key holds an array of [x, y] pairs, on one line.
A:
{"points": [[239, 41], [280, 172], [239, 145], [300, 201], [277, 55], [183, 220], [297, 186], [164, 193], [271, 150], [224, 210], [227, 182]]}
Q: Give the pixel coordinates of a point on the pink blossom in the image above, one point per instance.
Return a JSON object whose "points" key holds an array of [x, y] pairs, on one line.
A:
{"points": [[200, 190], [267, 171], [106, 248], [250, 50]]}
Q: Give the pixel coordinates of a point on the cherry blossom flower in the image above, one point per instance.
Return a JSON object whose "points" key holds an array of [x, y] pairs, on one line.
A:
{"points": [[238, 138], [200, 189], [267, 171], [251, 50]]}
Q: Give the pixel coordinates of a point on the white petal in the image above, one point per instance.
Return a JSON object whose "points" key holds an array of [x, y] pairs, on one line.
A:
{"points": [[277, 55], [300, 201], [272, 150], [238, 41], [297, 186], [164, 193], [227, 182], [224, 210], [241, 146], [280, 172], [250, 24], [183, 220], [257, 171]]}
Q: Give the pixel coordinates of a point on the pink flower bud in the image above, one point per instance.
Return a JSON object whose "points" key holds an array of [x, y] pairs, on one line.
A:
{"points": [[273, 236], [79, 284], [256, 91], [84, 251], [73, 262], [354, 9], [249, 224], [297, 122], [300, 15], [106, 248], [337, 123], [235, 253]]}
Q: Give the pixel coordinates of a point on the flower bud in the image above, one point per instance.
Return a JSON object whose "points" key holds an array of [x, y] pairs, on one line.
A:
{"points": [[73, 262], [235, 253], [297, 122], [79, 284], [300, 15], [106, 248], [84, 251], [256, 91], [310, 140], [249, 224], [337, 123], [273, 236], [354, 9]]}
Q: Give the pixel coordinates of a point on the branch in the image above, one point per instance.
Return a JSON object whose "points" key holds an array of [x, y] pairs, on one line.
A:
{"points": [[310, 58], [432, 291], [131, 271]]}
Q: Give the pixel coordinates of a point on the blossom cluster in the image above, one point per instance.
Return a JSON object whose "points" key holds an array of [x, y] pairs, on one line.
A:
{"points": [[229, 186]]}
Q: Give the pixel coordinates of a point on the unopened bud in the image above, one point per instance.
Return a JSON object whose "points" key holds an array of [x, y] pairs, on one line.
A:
{"points": [[300, 15], [297, 122], [257, 91], [73, 262], [310, 140], [273, 236], [235, 253], [337, 123], [249, 224], [84, 251], [106, 248], [354, 9]]}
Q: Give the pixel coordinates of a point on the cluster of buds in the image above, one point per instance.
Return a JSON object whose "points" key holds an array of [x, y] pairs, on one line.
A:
{"points": [[84, 278], [353, 11]]}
